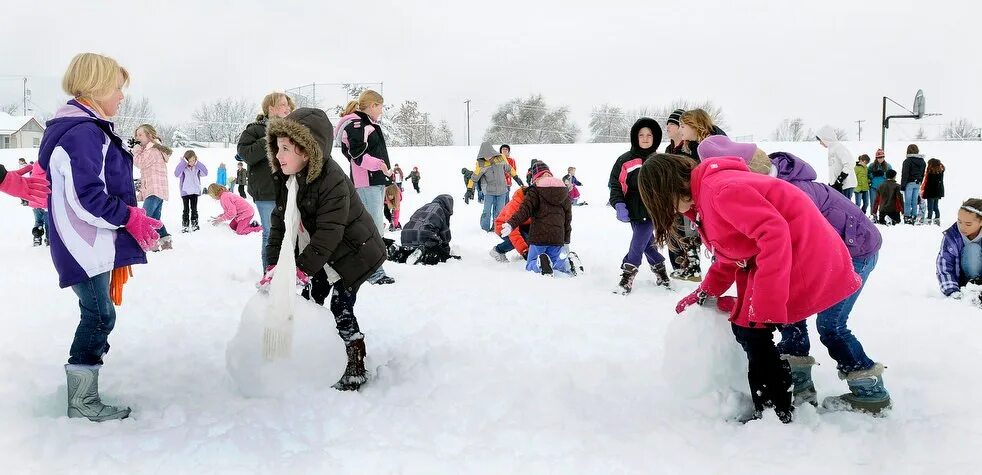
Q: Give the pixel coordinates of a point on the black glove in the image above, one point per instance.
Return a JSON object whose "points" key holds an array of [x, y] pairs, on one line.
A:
{"points": [[838, 181], [519, 181], [469, 195]]}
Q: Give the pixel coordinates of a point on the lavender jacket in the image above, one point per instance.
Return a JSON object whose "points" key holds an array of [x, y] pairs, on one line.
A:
{"points": [[91, 176], [190, 176], [856, 230]]}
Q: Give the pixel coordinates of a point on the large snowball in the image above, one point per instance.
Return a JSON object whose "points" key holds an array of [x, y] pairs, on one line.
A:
{"points": [[317, 358]]}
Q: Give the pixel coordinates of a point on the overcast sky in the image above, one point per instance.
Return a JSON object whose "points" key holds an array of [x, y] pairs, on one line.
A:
{"points": [[825, 61]]}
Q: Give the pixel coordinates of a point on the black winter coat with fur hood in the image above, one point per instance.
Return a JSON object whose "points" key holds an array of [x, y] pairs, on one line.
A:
{"points": [[342, 233]]}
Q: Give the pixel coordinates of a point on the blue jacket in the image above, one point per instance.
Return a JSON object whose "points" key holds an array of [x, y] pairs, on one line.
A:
{"points": [[949, 261], [91, 175]]}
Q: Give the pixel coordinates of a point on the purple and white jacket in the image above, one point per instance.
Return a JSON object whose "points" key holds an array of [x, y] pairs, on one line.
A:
{"points": [[91, 176]]}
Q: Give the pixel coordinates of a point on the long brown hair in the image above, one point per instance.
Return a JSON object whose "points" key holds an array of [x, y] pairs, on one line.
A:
{"points": [[700, 121], [663, 179], [934, 166]]}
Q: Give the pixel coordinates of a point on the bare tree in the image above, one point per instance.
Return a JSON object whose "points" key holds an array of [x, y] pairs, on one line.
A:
{"points": [[961, 129], [921, 134], [531, 120], [11, 108], [609, 124], [133, 111], [790, 130], [840, 134], [222, 120], [443, 135], [169, 133]]}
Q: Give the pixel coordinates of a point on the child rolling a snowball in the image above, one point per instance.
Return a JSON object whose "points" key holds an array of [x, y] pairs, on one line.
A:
{"points": [[339, 245], [236, 209]]}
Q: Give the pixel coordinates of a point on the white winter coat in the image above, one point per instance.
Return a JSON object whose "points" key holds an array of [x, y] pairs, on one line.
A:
{"points": [[841, 159]]}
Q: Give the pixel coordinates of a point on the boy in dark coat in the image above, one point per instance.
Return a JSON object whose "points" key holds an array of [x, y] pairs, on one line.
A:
{"points": [[339, 245], [426, 237], [889, 201], [547, 203]]}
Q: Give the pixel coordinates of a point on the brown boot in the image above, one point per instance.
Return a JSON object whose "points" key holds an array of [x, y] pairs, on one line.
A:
{"points": [[354, 374]]}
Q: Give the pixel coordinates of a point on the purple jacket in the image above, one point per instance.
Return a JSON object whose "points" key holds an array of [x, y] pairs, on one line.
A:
{"points": [[91, 176], [190, 176], [856, 230]]}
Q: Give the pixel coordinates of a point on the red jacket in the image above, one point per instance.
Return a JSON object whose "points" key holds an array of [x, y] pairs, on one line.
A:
{"points": [[511, 161], [506, 213], [767, 236]]}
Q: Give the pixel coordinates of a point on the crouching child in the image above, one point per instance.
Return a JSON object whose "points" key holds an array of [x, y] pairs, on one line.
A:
{"points": [[426, 237], [959, 262]]}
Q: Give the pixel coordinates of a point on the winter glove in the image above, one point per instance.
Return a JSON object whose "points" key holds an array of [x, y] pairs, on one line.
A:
{"points": [[726, 304], [622, 214], [696, 297], [505, 230], [32, 189], [469, 195], [519, 181], [839, 181], [303, 280], [143, 228], [564, 251]]}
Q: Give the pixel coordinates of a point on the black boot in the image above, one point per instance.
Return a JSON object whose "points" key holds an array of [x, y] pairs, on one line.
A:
{"points": [[38, 232], [354, 374], [628, 273], [769, 375]]}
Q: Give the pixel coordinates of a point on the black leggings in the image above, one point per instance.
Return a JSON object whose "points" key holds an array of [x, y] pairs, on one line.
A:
{"points": [[342, 304], [190, 203], [769, 375]]}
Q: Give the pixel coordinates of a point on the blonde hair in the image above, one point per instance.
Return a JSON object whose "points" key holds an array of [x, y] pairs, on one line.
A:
{"points": [[700, 121], [152, 132], [215, 190], [364, 101], [272, 98], [93, 76]]}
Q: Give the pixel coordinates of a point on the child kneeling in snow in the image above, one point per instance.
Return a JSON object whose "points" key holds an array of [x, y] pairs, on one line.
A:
{"points": [[547, 203], [960, 260], [339, 245], [236, 209], [426, 237]]}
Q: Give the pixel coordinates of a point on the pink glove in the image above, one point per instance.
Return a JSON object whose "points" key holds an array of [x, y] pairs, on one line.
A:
{"points": [[696, 297], [33, 189], [726, 304], [143, 228], [303, 279]]}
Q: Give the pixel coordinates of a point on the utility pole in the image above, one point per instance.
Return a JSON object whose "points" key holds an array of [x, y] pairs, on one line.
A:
{"points": [[25, 95], [860, 124], [468, 103]]}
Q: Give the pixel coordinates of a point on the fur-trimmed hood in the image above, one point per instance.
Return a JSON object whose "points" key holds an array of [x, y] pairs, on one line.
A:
{"points": [[310, 130]]}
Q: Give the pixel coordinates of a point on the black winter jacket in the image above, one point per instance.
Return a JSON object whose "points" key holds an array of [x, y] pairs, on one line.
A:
{"points": [[913, 170], [429, 226], [252, 149], [356, 147], [623, 182]]}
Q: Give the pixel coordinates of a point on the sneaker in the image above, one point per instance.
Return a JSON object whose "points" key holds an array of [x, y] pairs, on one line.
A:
{"points": [[545, 264], [497, 255]]}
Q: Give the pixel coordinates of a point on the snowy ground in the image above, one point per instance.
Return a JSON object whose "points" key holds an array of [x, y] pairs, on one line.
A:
{"points": [[481, 367]]}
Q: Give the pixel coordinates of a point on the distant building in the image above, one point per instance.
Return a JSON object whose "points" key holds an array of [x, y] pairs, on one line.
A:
{"points": [[20, 131]]}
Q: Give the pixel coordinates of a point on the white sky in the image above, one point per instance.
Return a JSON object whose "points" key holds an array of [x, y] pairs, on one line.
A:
{"points": [[826, 61]]}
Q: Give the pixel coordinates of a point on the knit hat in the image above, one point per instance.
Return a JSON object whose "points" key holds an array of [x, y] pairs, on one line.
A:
{"points": [[537, 170], [674, 117], [486, 151], [879, 153], [722, 146]]}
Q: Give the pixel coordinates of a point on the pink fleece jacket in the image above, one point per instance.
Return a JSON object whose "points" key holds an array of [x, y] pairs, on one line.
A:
{"points": [[235, 207]]}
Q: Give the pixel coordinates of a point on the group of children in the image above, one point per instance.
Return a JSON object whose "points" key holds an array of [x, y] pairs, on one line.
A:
{"points": [[920, 189]]}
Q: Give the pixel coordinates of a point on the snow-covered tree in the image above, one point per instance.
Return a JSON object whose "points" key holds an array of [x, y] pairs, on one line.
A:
{"points": [[609, 124], [443, 135], [11, 108], [410, 126], [222, 120], [961, 129], [790, 130], [531, 120], [921, 134], [133, 111]]}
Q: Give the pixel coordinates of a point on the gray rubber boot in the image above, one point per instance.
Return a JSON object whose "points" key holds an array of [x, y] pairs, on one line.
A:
{"points": [[83, 395], [866, 392], [801, 377]]}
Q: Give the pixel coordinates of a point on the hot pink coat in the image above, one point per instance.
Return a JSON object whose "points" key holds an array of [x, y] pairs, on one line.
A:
{"points": [[768, 237]]}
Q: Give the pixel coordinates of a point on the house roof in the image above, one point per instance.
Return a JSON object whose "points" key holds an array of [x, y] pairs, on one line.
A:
{"points": [[10, 124]]}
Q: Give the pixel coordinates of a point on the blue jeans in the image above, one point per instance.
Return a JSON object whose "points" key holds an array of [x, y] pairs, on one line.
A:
{"points": [[558, 263], [932, 208], [872, 198], [643, 243], [848, 192], [911, 192], [373, 197], [493, 204], [843, 346], [862, 199], [505, 245], [265, 217], [98, 319], [153, 204]]}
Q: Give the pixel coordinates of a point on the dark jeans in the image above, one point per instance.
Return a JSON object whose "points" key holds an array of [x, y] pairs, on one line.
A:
{"points": [[153, 204], [242, 190], [932, 208], [843, 346], [97, 321], [769, 375], [643, 243], [342, 304], [416, 185], [190, 205], [848, 192], [505, 245]]}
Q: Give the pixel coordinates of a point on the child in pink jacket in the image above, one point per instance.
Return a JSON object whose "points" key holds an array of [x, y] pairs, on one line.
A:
{"points": [[236, 208]]}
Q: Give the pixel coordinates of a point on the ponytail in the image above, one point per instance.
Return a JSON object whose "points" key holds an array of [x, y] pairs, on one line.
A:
{"points": [[365, 99], [351, 107]]}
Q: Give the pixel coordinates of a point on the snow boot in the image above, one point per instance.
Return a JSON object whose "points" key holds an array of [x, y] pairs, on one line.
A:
{"points": [[545, 265], [194, 225], [661, 275], [38, 233], [937, 221], [497, 255], [770, 388], [628, 273], [801, 377], [866, 392], [83, 395], [354, 374], [575, 265]]}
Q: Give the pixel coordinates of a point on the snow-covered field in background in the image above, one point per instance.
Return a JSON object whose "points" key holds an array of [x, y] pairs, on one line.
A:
{"points": [[481, 367]]}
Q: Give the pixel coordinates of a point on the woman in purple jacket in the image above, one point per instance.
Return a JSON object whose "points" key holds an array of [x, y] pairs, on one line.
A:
{"points": [[92, 200], [863, 240], [190, 171]]}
